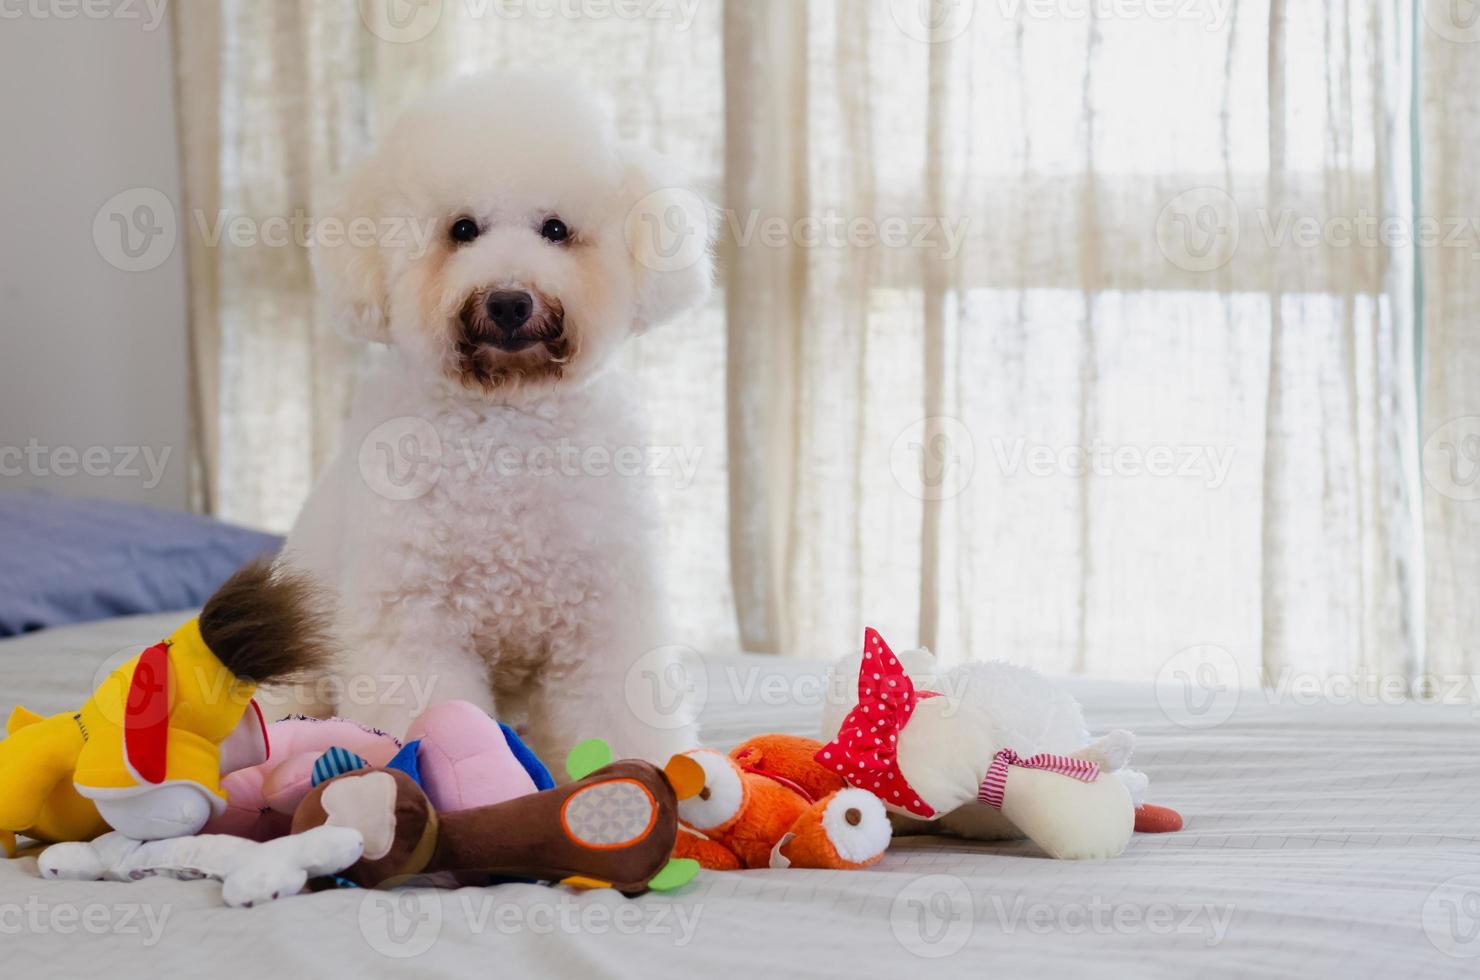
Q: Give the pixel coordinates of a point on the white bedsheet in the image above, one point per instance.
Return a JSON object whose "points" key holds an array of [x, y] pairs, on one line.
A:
{"points": [[1319, 842]]}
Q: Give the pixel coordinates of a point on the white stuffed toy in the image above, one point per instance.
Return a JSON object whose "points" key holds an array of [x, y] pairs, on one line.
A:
{"points": [[988, 751], [250, 872]]}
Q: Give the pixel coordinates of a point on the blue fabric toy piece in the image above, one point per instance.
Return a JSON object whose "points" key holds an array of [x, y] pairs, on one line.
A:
{"points": [[531, 762], [336, 762], [405, 761]]}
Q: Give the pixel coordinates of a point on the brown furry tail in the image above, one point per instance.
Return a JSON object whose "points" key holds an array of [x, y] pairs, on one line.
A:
{"points": [[268, 625]]}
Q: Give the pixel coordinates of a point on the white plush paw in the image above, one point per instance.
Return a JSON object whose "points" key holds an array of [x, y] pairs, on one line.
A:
{"points": [[1111, 752], [322, 850], [282, 867], [262, 881], [1135, 783], [1069, 819], [71, 861]]}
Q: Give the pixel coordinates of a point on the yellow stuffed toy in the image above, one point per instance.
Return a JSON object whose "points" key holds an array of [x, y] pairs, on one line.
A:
{"points": [[36, 794], [144, 755]]}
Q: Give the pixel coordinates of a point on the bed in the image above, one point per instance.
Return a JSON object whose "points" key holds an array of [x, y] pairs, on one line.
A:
{"points": [[1321, 840]]}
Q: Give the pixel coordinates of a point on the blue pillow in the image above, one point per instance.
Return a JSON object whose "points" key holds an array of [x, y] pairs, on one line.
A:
{"points": [[71, 560]]}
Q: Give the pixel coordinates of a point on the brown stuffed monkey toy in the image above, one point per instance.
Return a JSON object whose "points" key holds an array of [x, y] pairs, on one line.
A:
{"points": [[615, 826]]}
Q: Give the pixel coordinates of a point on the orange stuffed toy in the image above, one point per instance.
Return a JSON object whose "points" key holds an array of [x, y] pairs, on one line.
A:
{"points": [[769, 804]]}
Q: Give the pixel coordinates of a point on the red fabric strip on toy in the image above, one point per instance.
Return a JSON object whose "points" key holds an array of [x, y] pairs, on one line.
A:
{"points": [[776, 777], [866, 749], [146, 722], [996, 782]]}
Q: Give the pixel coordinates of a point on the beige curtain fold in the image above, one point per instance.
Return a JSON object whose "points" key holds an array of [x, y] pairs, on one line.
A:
{"points": [[1450, 115], [1025, 347], [765, 79], [198, 43], [1337, 569], [271, 107]]}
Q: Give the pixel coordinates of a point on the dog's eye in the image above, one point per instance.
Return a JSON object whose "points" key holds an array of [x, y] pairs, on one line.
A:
{"points": [[554, 230], [464, 230]]}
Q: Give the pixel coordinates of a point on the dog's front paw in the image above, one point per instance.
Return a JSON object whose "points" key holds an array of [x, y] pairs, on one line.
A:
{"points": [[71, 862]]}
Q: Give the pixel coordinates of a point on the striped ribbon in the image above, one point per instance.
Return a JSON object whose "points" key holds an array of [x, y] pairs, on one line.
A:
{"points": [[336, 762], [996, 782]]}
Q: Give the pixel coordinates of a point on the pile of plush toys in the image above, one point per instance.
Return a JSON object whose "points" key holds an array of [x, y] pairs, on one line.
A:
{"points": [[169, 769]]}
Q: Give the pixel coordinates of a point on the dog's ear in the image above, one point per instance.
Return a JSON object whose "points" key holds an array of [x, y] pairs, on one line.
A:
{"points": [[348, 263], [670, 233]]}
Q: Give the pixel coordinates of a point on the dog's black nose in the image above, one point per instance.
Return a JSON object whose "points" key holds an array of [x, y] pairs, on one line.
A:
{"points": [[509, 309]]}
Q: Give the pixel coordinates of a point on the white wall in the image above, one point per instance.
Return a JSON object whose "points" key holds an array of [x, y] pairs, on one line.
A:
{"points": [[92, 357]]}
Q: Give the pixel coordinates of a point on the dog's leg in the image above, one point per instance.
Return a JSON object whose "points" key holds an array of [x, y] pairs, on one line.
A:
{"points": [[413, 657], [639, 695], [314, 548], [312, 695], [411, 679]]}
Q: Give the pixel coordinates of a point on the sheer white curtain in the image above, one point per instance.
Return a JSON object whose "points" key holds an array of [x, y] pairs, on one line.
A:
{"points": [[1173, 423], [1450, 277], [1070, 333]]}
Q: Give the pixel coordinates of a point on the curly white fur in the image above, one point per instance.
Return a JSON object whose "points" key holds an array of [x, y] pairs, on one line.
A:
{"points": [[512, 570]]}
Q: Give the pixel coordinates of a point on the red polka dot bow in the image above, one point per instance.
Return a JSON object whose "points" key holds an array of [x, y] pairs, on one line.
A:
{"points": [[866, 749]]}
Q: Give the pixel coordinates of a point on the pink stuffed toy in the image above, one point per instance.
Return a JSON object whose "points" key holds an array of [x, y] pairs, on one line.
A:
{"points": [[469, 760], [465, 759], [261, 799]]}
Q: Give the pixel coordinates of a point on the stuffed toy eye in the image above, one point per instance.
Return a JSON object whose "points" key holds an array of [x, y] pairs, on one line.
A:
{"points": [[720, 799], [856, 825]]}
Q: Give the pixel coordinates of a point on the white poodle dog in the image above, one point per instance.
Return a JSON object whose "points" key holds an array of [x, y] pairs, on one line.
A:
{"points": [[487, 524]]}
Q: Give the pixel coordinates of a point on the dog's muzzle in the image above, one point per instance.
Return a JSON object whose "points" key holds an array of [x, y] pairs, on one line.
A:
{"points": [[507, 335], [510, 320]]}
